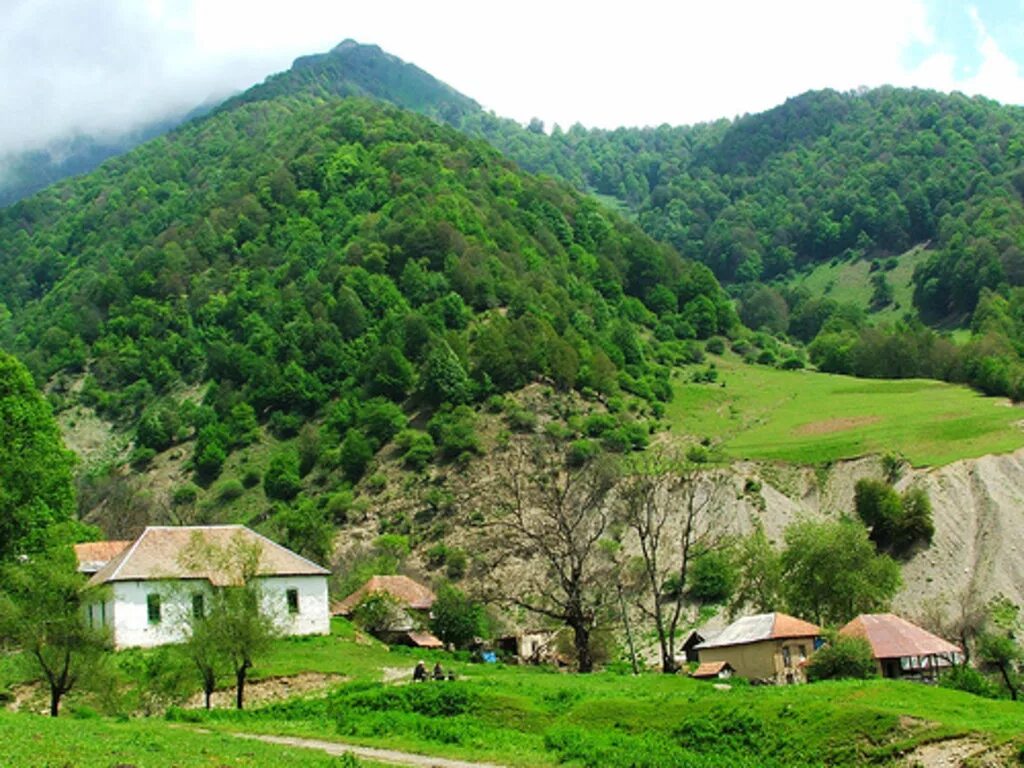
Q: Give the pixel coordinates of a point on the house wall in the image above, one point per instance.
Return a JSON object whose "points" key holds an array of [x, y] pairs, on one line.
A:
{"points": [[764, 660], [127, 610]]}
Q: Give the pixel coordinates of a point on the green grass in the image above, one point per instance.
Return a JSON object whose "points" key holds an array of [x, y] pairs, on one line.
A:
{"points": [[524, 716], [66, 742], [531, 717], [764, 413], [850, 282]]}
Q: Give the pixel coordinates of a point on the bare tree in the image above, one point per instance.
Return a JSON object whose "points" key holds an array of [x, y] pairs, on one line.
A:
{"points": [[550, 519], [673, 509]]}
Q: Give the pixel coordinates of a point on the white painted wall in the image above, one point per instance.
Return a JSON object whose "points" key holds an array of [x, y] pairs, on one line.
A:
{"points": [[128, 615]]}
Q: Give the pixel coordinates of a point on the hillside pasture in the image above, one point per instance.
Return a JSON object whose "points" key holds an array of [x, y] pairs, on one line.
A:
{"points": [[760, 413]]}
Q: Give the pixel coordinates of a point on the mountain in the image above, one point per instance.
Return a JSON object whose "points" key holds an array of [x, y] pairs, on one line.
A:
{"points": [[25, 173]]}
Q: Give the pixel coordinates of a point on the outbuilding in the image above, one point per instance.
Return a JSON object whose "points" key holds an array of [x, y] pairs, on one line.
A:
{"points": [[902, 649]]}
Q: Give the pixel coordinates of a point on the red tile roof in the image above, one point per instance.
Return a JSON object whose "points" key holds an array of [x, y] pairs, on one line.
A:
{"points": [[409, 593], [710, 669], [892, 637], [93, 555]]}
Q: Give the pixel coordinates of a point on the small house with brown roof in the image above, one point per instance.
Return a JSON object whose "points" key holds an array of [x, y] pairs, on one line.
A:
{"points": [[902, 649], [165, 576], [411, 614], [767, 647]]}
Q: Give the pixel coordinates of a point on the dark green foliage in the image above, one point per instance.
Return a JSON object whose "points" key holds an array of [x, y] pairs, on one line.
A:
{"points": [[582, 451], [843, 657], [456, 620], [417, 448], [355, 453], [966, 678], [897, 522], [36, 490], [308, 529], [443, 378], [454, 432], [713, 576], [281, 480]]}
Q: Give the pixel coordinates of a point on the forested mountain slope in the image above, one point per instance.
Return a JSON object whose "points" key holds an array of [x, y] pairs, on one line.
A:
{"points": [[330, 259]]}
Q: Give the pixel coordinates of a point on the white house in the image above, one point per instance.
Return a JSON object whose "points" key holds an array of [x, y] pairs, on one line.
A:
{"points": [[155, 583]]}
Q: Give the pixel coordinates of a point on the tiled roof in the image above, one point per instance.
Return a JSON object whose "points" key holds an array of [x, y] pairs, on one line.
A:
{"points": [[710, 669], [762, 626], [409, 593], [170, 552], [93, 555], [425, 640], [892, 637]]}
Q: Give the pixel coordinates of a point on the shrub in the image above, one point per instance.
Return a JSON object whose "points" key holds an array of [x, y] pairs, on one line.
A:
{"points": [[969, 680], [354, 454], [582, 451], [715, 345], [251, 477], [522, 420], [281, 480], [454, 430], [597, 424], [338, 506], [456, 620], [713, 577], [418, 448], [844, 657], [378, 612], [184, 495], [229, 490]]}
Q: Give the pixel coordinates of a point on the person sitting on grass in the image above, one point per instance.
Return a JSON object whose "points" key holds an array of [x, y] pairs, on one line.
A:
{"points": [[438, 672], [419, 674]]}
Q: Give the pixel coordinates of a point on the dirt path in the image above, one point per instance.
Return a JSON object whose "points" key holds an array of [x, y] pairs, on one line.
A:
{"points": [[370, 753]]}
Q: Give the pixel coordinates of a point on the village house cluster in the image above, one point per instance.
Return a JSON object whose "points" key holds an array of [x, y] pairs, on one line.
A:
{"points": [[155, 584]]}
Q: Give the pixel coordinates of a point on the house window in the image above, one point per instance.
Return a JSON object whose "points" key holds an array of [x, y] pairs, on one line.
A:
{"points": [[293, 600], [92, 619], [787, 660], [103, 613], [802, 650], [198, 605], [153, 607]]}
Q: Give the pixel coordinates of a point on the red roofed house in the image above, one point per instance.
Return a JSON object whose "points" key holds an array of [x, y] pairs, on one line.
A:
{"points": [[155, 583], [902, 649], [769, 647], [413, 601]]}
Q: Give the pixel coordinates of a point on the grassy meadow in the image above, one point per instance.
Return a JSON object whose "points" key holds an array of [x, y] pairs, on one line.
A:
{"points": [[763, 413], [850, 282], [517, 716]]}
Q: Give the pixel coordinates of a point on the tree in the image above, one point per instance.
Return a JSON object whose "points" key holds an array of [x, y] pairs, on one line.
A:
{"points": [[43, 607], [36, 489], [456, 619], [844, 657], [306, 528], [672, 509], [831, 572], [999, 645], [202, 648], [896, 522], [281, 480], [549, 519], [234, 626], [760, 574]]}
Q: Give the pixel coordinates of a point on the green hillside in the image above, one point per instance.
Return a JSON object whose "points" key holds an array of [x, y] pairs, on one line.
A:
{"points": [[757, 412]]}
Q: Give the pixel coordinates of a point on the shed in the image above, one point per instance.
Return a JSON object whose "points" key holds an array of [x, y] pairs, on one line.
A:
{"points": [[713, 670], [903, 649]]}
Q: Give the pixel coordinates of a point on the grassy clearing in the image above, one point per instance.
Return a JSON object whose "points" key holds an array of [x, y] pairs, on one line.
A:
{"points": [[804, 417], [525, 716], [529, 717], [850, 282], [32, 740]]}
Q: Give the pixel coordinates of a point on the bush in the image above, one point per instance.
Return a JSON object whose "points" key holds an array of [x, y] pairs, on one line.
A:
{"points": [[456, 620], [281, 480], [354, 454], [969, 680], [184, 495], [522, 420], [454, 430], [229, 490], [844, 657], [418, 448], [251, 478], [582, 451], [715, 345], [713, 577]]}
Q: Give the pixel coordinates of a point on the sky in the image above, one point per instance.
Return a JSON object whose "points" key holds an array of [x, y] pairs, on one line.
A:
{"points": [[103, 67]]}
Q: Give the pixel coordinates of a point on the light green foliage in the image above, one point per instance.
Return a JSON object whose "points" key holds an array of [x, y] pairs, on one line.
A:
{"points": [[713, 576], [378, 612], [43, 607], [843, 658], [36, 490], [455, 619], [897, 522], [454, 432], [831, 572], [417, 448], [763, 413]]}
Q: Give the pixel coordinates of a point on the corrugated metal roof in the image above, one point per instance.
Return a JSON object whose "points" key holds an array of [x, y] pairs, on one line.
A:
{"points": [[409, 593], [761, 626], [174, 552], [893, 637]]}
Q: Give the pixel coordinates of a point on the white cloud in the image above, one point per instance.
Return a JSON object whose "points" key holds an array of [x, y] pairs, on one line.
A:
{"points": [[106, 65]]}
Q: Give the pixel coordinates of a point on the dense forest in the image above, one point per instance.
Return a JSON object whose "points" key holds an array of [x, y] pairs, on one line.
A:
{"points": [[334, 259], [825, 177]]}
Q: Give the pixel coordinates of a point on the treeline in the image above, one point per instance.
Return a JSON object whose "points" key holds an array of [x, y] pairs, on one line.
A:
{"points": [[300, 253]]}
